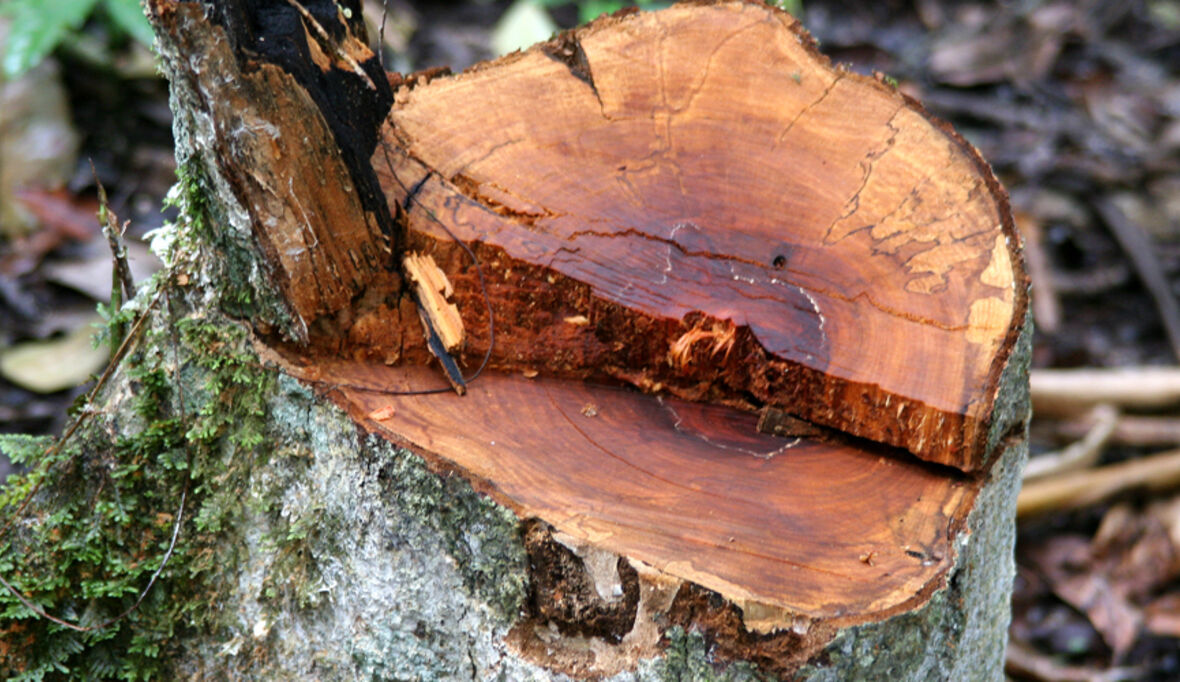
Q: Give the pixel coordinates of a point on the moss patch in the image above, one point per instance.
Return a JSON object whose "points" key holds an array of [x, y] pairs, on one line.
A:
{"points": [[183, 415], [101, 521]]}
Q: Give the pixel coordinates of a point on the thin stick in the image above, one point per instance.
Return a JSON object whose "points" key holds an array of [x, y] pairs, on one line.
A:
{"points": [[107, 623], [1070, 391], [115, 359], [1083, 488], [1046, 305], [179, 512], [1082, 454], [1134, 430], [1023, 660], [1137, 244], [114, 235], [381, 34], [1091, 282]]}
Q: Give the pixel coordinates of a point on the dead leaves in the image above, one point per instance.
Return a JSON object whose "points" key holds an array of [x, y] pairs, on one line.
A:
{"points": [[1118, 579]]}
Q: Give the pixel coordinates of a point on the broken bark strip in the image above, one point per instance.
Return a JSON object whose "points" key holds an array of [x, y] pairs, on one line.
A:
{"points": [[321, 222], [854, 259]]}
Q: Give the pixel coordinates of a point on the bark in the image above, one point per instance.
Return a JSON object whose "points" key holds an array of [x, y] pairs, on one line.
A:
{"points": [[545, 527]]}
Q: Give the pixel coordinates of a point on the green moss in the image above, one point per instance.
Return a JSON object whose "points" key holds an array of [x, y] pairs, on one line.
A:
{"points": [[103, 506], [223, 250], [234, 288], [190, 410], [188, 195]]}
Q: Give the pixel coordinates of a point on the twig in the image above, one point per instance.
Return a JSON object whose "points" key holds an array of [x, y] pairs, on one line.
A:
{"points": [[114, 235], [1082, 488], [1093, 281], [1026, 662], [381, 34], [183, 493], [107, 623], [1069, 391], [1046, 305], [1134, 430], [1137, 244], [1079, 455], [115, 360]]}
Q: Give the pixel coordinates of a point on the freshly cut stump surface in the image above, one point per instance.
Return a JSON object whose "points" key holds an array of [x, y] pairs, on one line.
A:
{"points": [[694, 201], [686, 222], [784, 527]]}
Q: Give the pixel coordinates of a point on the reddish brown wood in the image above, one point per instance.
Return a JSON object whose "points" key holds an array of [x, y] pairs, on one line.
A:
{"points": [[695, 202], [780, 526]]}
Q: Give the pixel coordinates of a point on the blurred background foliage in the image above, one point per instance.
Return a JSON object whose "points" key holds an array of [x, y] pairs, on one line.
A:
{"points": [[38, 27]]}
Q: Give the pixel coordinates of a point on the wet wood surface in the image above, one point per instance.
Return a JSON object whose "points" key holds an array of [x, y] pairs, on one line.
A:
{"points": [[695, 202], [818, 529]]}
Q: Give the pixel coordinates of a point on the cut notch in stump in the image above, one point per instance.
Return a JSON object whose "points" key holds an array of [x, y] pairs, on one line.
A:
{"points": [[694, 203]]}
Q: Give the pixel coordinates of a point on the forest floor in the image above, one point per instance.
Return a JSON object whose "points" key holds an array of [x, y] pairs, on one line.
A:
{"points": [[1076, 104]]}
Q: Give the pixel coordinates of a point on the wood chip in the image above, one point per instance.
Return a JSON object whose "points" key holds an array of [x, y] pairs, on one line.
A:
{"points": [[433, 289], [382, 413]]}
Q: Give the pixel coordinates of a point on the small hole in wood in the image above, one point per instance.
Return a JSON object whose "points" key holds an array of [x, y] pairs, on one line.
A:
{"points": [[779, 262]]}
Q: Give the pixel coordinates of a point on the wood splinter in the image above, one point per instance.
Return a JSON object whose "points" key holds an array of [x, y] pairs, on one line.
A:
{"points": [[440, 318]]}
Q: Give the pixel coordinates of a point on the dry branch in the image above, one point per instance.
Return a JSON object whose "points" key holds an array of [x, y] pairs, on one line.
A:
{"points": [[1079, 455], [1082, 488], [1070, 391]]}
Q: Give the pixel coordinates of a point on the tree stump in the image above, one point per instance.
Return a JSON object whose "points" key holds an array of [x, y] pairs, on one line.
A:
{"points": [[755, 335]]}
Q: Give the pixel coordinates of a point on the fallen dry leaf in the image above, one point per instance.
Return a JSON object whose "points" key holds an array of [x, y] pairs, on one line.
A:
{"points": [[1162, 616], [56, 364], [1109, 611], [1114, 577]]}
